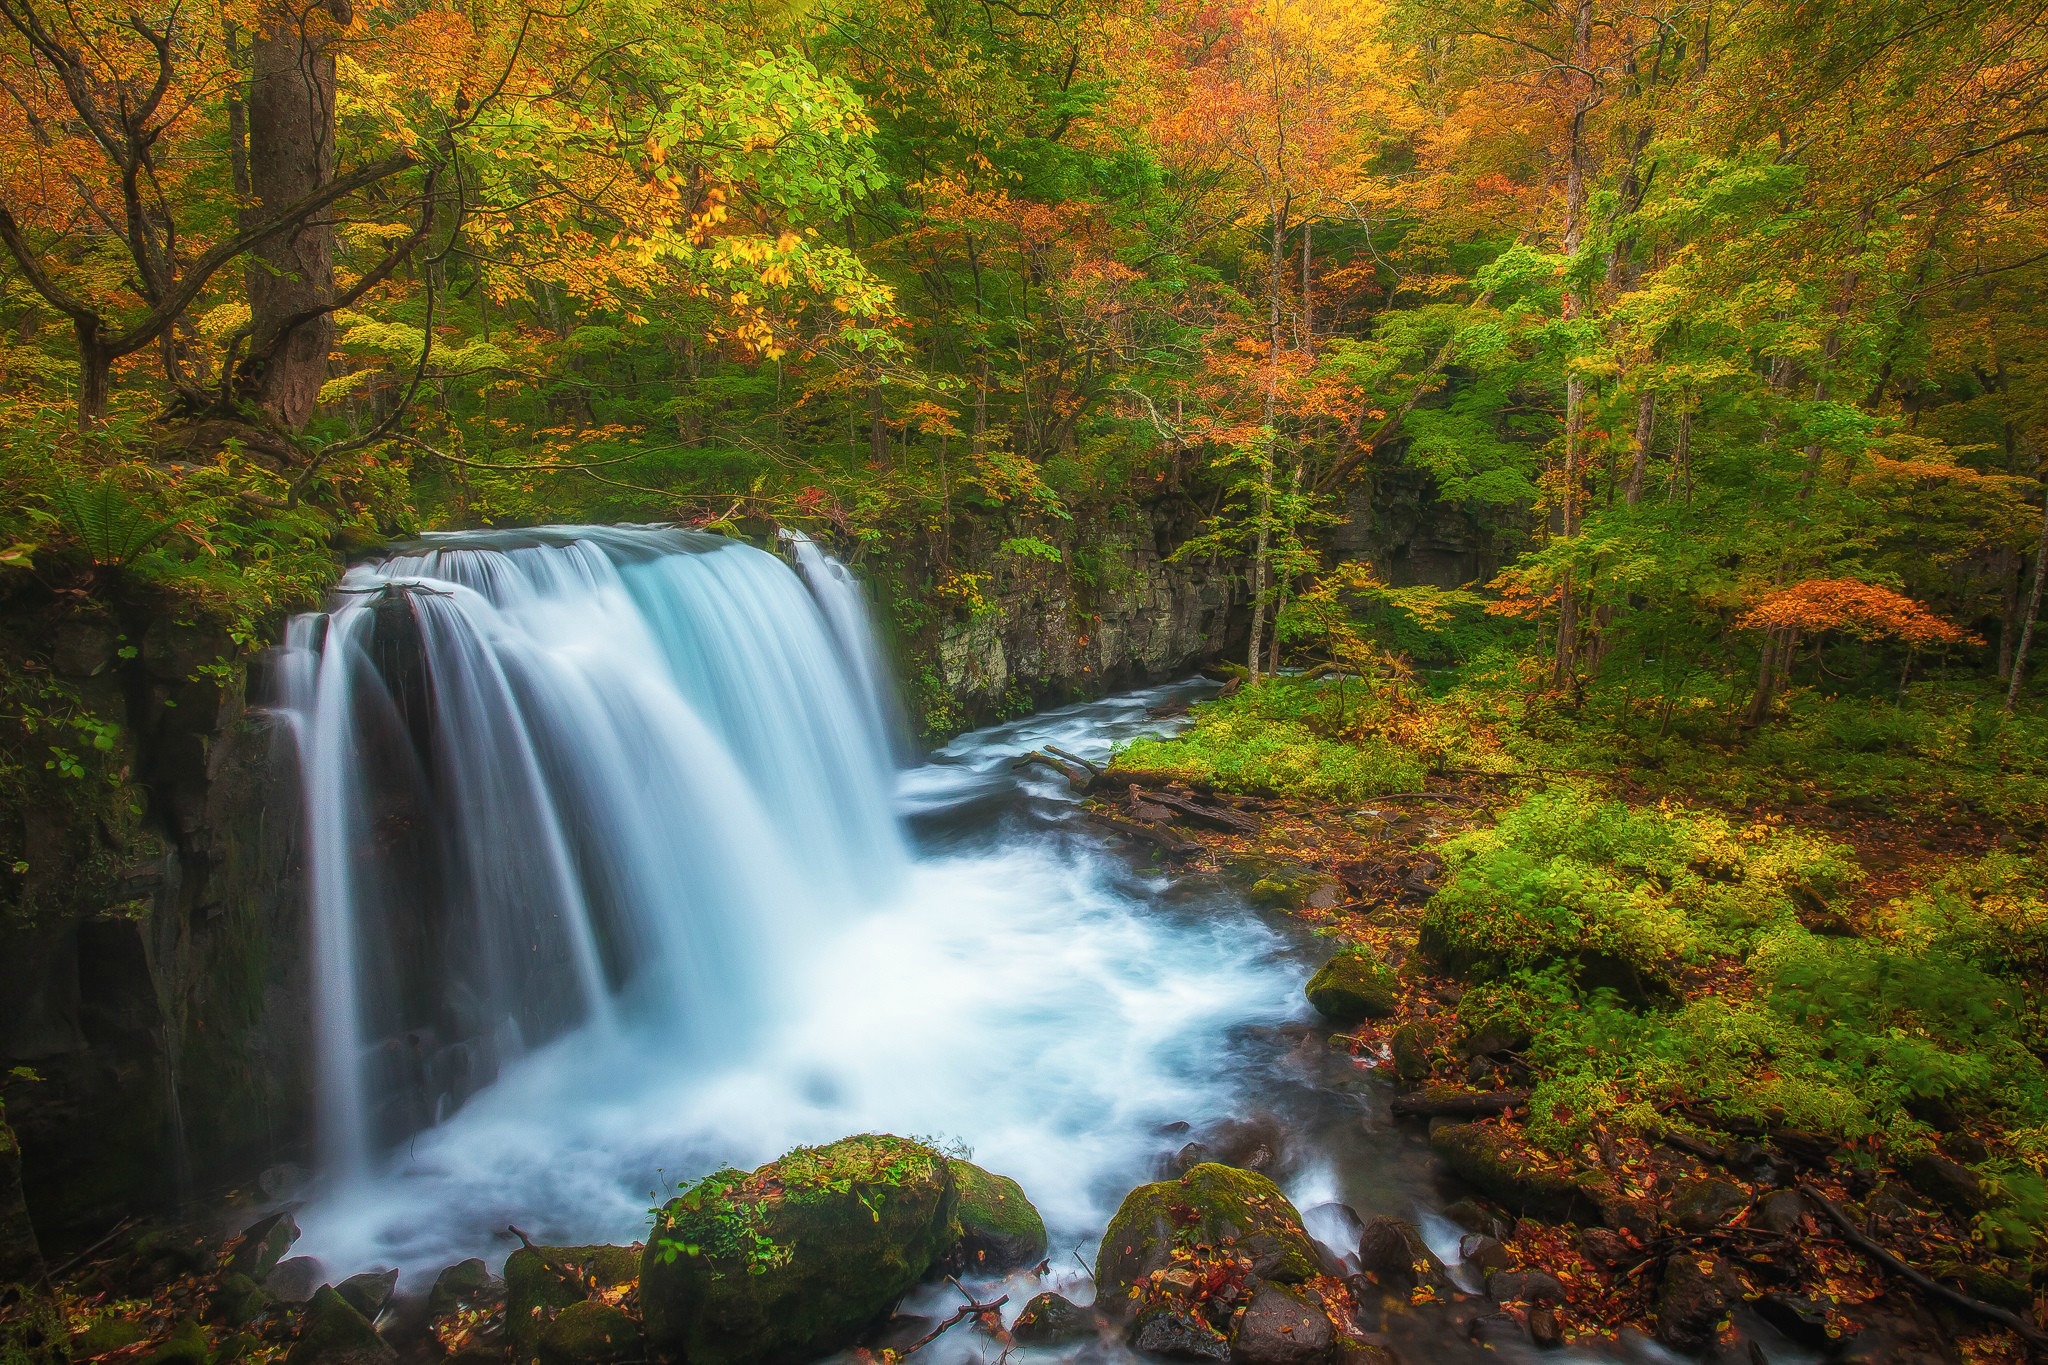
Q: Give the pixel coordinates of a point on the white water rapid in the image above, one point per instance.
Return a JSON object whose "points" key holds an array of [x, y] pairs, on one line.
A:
{"points": [[614, 884]]}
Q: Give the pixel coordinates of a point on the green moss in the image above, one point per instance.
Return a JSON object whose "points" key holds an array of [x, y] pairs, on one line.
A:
{"points": [[104, 1335], [336, 1334], [791, 1261], [1213, 1206], [591, 1333], [1489, 1161], [1352, 986], [186, 1345], [999, 1229], [1284, 736], [541, 1281]]}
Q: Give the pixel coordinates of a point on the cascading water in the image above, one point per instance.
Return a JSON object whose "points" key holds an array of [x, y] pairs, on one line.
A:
{"points": [[569, 777]]}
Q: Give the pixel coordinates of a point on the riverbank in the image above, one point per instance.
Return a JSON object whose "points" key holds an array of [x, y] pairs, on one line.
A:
{"points": [[1703, 1061]]}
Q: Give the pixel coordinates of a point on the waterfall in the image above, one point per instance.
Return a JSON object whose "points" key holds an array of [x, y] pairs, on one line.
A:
{"points": [[572, 777]]}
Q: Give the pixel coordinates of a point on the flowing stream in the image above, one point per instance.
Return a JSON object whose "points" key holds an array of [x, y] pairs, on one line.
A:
{"points": [[615, 883]]}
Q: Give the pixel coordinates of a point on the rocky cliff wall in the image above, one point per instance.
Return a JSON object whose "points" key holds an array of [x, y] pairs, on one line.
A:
{"points": [[153, 972]]}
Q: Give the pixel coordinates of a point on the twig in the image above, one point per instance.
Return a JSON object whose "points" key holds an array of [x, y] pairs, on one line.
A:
{"points": [[524, 1240], [972, 1310], [1919, 1279], [57, 1271]]}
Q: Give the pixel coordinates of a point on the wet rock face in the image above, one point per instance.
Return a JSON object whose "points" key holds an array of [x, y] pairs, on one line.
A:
{"points": [[1707, 1204], [1177, 1332], [1114, 613], [792, 1261], [156, 951]]}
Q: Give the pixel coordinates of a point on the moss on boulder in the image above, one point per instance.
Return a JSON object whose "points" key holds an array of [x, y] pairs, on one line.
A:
{"points": [[790, 1262], [333, 1333], [1490, 1161], [591, 1333], [1354, 985], [541, 1281], [1213, 1206], [999, 1229]]}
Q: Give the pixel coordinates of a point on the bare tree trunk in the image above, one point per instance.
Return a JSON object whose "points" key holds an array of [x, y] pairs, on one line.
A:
{"points": [[2010, 567], [1646, 423], [1263, 540], [1308, 319], [291, 155], [1574, 386], [2019, 658]]}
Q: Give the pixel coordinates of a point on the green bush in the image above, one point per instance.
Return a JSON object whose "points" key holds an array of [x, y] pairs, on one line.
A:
{"points": [[1288, 737]]}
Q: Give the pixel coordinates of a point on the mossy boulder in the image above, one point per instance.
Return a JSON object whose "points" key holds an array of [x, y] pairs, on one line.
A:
{"points": [[1053, 1320], [1490, 1161], [263, 1244], [999, 1229], [333, 1333], [106, 1334], [1213, 1206], [1352, 986], [186, 1345], [790, 1262], [541, 1281], [1415, 1047], [591, 1333]]}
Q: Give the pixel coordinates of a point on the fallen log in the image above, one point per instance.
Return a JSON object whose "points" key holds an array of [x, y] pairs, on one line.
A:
{"points": [[1076, 778], [1458, 1104], [1215, 817], [1920, 1279], [1092, 769], [1166, 839]]}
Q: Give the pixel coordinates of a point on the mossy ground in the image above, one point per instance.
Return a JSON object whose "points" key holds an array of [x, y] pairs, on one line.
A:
{"points": [[1701, 937]]}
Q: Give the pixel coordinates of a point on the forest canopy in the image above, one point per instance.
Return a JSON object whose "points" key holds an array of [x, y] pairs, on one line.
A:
{"points": [[1723, 320]]}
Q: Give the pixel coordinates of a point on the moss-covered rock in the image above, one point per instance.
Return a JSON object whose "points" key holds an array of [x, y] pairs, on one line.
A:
{"points": [[239, 1300], [186, 1345], [541, 1281], [591, 1333], [791, 1261], [263, 1244], [1490, 1161], [106, 1334], [333, 1333], [999, 1229], [1354, 985], [1415, 1046], [1211, 1206], [1052, 1320]]}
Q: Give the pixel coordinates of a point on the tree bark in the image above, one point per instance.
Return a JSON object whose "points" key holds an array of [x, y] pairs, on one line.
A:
{"points": [[291, 155], [1646, 424], [2019, 657], [1574, 386]]}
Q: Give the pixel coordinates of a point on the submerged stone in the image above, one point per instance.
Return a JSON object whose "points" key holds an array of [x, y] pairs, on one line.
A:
{"points": [[792, 1261], [999, 1229]]}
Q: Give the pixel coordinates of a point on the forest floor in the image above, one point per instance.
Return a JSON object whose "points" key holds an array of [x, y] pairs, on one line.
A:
{"points": [[1710, 1030]]}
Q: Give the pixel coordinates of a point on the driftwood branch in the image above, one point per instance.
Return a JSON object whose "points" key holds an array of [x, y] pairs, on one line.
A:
{"points": [[1920, 1279], [969, 1310]]}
